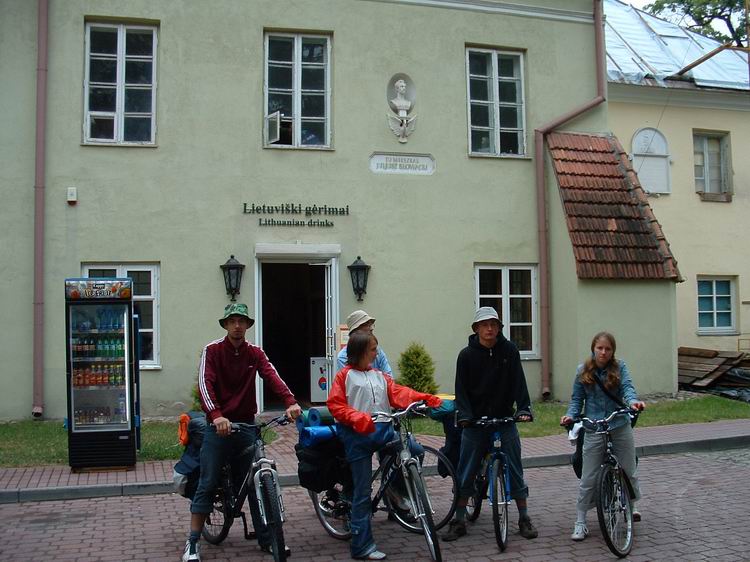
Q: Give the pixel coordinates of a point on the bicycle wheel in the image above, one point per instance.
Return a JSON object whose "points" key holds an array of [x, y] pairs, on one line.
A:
{"points": [[219, 521], [613, 510], [272, 510], [499, 502], [424, 513], [333, 511], [441, 490], [474, 507]]}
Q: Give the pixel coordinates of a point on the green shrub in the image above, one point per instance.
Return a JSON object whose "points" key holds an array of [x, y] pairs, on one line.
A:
{"points": [[417, 369]]}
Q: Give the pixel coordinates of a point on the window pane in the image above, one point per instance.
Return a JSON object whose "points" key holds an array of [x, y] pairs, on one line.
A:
{"points": [[94, 273], [507, 66], [479, 64], [705, 287], [139, 42], [508, 92], [520, 309], [145, 310], [521, 336], [705, 304], [481, 141], [104, 40], [723, 304], [147, 346], [313, 132], [138, 72], [280, 77], [490, 282], [520, 282], [285, 133], [480, 89], [137, 100], [509, 143], [141, 282], [280, 48], [705, 320], [137, 129], [103, 70], [102, 99], [280, 102], [480, 115], [313, 105], [313, 50], [102, 128], [722, 287], [312, 78], [723, 320], [509, 117], [496, 303]]}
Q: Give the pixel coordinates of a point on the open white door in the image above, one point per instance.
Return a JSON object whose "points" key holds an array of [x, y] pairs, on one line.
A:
{"points": [[332, 318], [258, 332]]}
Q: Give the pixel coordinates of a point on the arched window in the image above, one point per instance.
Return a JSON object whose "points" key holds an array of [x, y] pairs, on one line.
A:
{"points": [[651, 160]]}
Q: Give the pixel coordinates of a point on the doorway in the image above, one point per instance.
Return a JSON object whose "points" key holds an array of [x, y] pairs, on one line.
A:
{"points": [[293, 309]]}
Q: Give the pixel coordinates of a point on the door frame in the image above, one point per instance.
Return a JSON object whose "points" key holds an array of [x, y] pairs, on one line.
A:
{"points": [[313, 254]]}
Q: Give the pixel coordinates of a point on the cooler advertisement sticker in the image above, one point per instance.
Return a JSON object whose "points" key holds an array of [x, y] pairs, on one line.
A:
{"points": [[84, 289]]}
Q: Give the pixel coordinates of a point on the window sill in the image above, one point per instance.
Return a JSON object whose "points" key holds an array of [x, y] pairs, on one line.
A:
{"points": [[531, 357], [500, 156], [289, 147], [715, 197], [150, 368], [727, 333], [120, 144]]}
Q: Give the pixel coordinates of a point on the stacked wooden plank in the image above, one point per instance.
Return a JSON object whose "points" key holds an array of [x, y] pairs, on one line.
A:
{"points": [[703, 368]]}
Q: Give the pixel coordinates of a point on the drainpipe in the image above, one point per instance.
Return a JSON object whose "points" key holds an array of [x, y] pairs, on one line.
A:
{"points": [[541, 191], [39, 173]]}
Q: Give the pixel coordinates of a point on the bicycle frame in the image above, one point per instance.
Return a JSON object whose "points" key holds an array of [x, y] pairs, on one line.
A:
{"points": [[496, 454]]}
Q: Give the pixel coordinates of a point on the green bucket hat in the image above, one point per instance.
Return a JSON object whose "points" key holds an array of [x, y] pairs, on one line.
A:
{"points": [[236, 309]]}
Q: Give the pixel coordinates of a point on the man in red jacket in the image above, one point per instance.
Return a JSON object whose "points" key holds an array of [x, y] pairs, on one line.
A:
{"points": [[226, 384]]}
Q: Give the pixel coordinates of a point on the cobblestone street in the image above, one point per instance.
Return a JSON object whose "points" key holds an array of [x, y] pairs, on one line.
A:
{"points": [[688, 514]]}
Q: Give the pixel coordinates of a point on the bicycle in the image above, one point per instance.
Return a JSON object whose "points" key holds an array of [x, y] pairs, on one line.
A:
{"points": [[430, 506], [262, 475], [614, 509], [493, 476]]}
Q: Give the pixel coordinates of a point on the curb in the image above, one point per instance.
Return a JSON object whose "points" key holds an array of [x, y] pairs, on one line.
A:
{"points": [[167, 487]]}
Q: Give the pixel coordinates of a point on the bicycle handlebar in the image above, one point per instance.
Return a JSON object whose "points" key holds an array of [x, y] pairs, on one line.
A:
{"points": [[632, 412], [484, 421], [417, 407], [279, 420]]}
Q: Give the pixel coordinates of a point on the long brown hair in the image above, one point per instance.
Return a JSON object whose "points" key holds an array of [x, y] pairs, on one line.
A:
{"points": [[613, 367], [357, 346]]}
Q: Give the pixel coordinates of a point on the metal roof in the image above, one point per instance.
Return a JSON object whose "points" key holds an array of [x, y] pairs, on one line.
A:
{"points": [[642, 47]]}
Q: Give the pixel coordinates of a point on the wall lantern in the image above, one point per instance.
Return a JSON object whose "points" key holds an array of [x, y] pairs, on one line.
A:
{"points": [[232, 270], [359, 271]]}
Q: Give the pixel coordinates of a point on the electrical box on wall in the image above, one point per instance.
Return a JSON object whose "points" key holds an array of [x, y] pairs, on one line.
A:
{"points": [[72, 195]]}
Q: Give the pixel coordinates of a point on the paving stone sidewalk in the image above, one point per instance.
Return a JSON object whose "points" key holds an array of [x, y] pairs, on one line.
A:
{"points": [[58, 482]]}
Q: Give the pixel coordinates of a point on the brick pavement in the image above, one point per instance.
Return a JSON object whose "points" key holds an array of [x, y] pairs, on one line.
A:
{"points": [[688, 515], [58, 482]]}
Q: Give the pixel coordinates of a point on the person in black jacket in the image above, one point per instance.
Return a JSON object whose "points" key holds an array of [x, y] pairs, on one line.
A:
{"points": [[490, 382]]}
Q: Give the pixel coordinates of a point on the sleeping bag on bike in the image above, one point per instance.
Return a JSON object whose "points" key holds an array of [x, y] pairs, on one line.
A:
{"points": [[187, 471], [322, 465]]}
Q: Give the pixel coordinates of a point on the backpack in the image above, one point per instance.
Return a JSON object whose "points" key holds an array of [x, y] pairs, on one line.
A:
{"points": [[187, 471], [323, 465]]}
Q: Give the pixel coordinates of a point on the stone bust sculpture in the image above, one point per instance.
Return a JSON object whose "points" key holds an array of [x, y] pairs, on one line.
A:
{"points": [[400, 102]]}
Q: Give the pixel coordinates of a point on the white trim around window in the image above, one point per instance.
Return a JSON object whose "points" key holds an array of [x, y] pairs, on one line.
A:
{"points": [[297, 87], [496, 108], [512, 290], [712, 166], [145, 300], [119, 90], [716, 306]]}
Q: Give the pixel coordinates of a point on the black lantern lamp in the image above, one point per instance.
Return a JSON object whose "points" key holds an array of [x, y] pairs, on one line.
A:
{"points": [[359, 271], [232, 270]]}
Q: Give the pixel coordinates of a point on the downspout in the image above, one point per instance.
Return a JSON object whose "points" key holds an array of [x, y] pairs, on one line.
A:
{"points": [[39, 175], [541, 190]]}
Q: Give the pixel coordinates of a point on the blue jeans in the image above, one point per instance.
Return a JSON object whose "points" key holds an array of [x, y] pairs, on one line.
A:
{"points": [[475, 442], [214, 453]]}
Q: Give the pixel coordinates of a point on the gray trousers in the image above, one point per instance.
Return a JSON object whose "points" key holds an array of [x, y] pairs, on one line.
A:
{"points": [[594, 446]]}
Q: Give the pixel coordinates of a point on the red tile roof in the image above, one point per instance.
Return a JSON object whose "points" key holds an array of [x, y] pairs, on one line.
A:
{"points": [[612, 227]]}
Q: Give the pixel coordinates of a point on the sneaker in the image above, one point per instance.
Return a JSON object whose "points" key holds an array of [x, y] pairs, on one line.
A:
{"points": [[374, 555], [527, 530], [192, 552], [456, 529], [397, 500], [579, 532], [267, 548]]}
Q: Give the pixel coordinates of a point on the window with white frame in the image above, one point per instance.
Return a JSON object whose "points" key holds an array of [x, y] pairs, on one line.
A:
{"points": [[120, 84], [496, 102], [716, 304], [511, 290], [145, 302], [651, 160], [711, 164], [297, 90]]}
